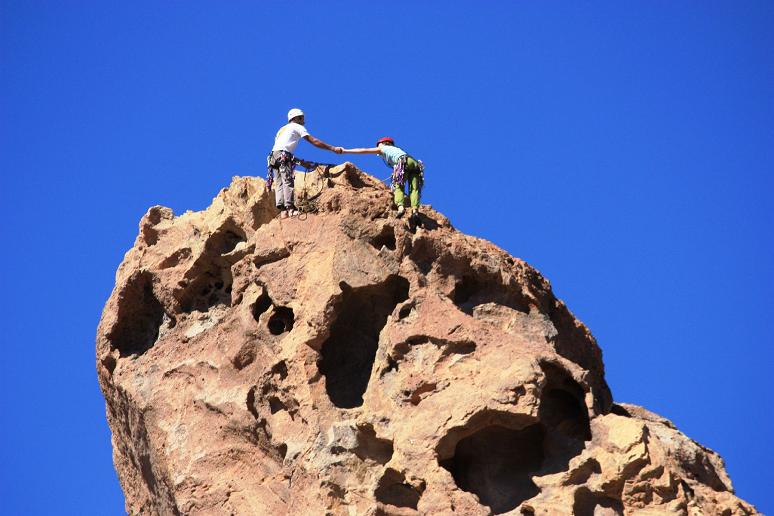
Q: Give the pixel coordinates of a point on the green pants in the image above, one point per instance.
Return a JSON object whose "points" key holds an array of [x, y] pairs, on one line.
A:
{"points": [[413, 177]]}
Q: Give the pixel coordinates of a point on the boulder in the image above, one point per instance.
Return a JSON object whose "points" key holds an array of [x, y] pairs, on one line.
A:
{"points": [[341, 362]]}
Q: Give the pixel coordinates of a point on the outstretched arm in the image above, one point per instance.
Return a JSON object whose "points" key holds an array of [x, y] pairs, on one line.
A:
{"points": [[321, 144], [362, 150]]}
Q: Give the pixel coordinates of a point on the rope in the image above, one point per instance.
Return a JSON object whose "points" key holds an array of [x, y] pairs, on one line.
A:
{"points": [[305, 203]]}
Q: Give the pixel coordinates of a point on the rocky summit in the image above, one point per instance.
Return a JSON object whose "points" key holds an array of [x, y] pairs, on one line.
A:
{"points": [[344, 363]]}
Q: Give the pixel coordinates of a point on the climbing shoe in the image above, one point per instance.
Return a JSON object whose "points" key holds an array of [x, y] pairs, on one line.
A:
{"points": [[401, 211]]}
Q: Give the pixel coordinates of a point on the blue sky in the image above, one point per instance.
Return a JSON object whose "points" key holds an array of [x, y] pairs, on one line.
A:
{"points": [[624, 149]]}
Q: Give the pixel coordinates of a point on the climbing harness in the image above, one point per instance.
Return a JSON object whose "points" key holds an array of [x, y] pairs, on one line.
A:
{"points": [[399, 172], [283, 161], [287, 161]]}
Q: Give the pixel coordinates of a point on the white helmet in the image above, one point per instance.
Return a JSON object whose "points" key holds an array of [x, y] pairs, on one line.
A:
{"points": [[293, 113]]}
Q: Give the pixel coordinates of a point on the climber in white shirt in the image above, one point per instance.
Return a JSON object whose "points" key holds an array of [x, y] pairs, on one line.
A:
{"points": [[281, 160]]}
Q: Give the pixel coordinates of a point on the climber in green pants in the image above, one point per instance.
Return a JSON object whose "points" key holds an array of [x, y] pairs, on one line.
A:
{"points": [[405, 169]]}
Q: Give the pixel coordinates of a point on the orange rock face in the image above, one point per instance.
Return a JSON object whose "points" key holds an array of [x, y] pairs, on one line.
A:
{"points": [[341, 363]]}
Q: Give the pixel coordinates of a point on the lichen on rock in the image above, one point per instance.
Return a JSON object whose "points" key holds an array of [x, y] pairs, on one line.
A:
{"points": [[342, 363]]}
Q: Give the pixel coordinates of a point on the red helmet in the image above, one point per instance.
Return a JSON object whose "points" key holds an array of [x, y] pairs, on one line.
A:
{"points": [[387, 140]]}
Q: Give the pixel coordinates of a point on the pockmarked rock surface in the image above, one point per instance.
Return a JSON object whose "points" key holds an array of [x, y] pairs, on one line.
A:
{"points": [[340, 363]]}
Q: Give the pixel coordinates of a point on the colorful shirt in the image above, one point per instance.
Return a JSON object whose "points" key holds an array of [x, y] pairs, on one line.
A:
{"points": [[391, 154]]}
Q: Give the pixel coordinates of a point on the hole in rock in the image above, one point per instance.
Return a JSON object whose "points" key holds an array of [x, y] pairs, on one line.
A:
{"points": [[392, 365], [157, 213], [282, 449], [448, 347], [140, 315], [415, 397], [496, 463], [369, 446], [583, 473], [210, 278], [109, 362], [474, 290], [208, 289], [586, 503], [460, 348], [224, 241], [564, 414], [392, 489], [280, 369], [575, 343], [262, 304], [560, 409], [424, 253], [272, 256], [175, 258], [348, 355], [245, 356], [275, 404], [464, 290], [405, 311], [424, 266], [150, 235], [385, 238], [252, 403], [281, 320], [562, 404]]}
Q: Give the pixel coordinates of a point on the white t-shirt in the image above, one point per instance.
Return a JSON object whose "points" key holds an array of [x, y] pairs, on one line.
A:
{"points": [[288, 136]]}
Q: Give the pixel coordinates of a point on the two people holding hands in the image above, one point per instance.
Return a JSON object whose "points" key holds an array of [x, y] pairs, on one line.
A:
{"points": [[281, 162]]}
